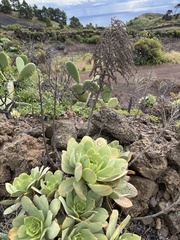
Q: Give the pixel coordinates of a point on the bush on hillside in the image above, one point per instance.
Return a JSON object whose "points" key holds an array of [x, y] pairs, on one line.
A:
{"points": [[148, 51]]}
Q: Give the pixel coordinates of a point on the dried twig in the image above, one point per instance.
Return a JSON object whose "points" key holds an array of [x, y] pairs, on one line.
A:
{"points": [[166, 210], [167, 125]]}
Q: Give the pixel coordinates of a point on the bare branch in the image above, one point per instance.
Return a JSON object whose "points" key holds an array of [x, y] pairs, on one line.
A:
{"points": [[166, 210]]}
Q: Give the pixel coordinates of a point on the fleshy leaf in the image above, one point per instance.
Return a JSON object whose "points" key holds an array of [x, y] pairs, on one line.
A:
{"points": [[66, 186], [123, 202], [78, 171], [129, 236], [100, 189], [112, 223], [53, 230], [89, 175]]}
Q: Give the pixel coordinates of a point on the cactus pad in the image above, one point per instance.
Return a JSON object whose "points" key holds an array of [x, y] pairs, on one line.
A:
{"points": [[27, 71], [90, 86], [113, 102], [24, 58], [4, 61], [106, 93], [19, 64], [72, 70], [77, 88]]}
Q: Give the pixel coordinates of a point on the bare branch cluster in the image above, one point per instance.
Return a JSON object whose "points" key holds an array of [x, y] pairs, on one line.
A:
{"points": [[113, 53]]}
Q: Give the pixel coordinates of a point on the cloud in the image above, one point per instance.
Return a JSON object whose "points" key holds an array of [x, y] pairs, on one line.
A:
{"points": [[88, 9], [60, 2]]}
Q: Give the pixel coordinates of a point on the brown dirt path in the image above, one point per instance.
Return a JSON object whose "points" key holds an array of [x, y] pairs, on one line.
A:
{"points": [[162, 80]]}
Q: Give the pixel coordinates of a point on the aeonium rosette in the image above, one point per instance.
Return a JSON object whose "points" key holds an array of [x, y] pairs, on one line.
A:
{"points": [[39, 221], [100, 166]]}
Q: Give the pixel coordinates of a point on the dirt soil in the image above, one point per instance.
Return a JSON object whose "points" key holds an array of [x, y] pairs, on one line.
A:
{"points": [[157, 80], [7, 19]]}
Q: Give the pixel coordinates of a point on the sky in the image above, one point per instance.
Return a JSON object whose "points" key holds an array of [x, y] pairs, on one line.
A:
{"points": [[100, 12]]}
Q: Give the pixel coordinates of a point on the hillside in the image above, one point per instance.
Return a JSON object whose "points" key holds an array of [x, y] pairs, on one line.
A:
{"points": [[8, 19], [153, 21]]}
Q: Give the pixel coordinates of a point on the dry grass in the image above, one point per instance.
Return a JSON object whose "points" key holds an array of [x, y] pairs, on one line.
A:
{"points": [[172, 56]]}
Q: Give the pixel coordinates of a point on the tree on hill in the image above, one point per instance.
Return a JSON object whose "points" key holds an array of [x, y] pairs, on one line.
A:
{"points": [[5, 6], [167, 16], [15, 4], [55, 14], [75, 23], [25, 11]]}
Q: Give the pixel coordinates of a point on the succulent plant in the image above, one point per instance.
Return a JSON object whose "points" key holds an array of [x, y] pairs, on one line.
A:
{"points": [[27, 71], [79, 209], [39, 221], [98, 165], [113, 230], [4, 61], [106, 93], [84, 91], [91, 228], [24, 184], [50, 183], [90, 85], [113, 102], [24, 58], [72, 70], [19, 64]]}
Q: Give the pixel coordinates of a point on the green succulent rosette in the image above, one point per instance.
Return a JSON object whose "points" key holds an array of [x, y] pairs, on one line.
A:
{"points": [[79, 209], [100, 229], [101, 166], [38, 222], [23, 185], [50, 183], [92, 228]]}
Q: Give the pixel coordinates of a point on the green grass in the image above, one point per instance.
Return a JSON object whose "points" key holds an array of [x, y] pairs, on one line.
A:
{"points": [[150, 21]]}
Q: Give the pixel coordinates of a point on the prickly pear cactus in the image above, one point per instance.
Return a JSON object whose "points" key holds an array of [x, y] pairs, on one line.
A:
{"points": [[4, 61], [90, 86], [73, 71], [113, 102], [106, 93], [77, 88], [27, 71], [24, 58], [19, 64]]}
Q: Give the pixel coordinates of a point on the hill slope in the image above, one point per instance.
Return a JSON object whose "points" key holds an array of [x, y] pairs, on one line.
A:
{"points": [[153, 21], [8, 19]]}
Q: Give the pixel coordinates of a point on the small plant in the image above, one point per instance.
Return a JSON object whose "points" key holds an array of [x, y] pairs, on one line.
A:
{"points": [[4, 61], [85, 91], [148, 101], [99, 166], [153, 118], [23, 78], [38, 221], [69, 205]]}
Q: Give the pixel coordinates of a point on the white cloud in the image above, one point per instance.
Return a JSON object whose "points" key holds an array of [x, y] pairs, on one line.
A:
{"points": [[60, 2]]}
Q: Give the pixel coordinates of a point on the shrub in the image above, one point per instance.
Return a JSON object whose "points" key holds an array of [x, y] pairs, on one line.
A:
{"points": [[93, 40], [148, 51]]}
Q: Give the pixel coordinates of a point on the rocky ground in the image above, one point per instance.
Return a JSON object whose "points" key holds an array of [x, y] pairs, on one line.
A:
{"points": [[155, 162]]}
